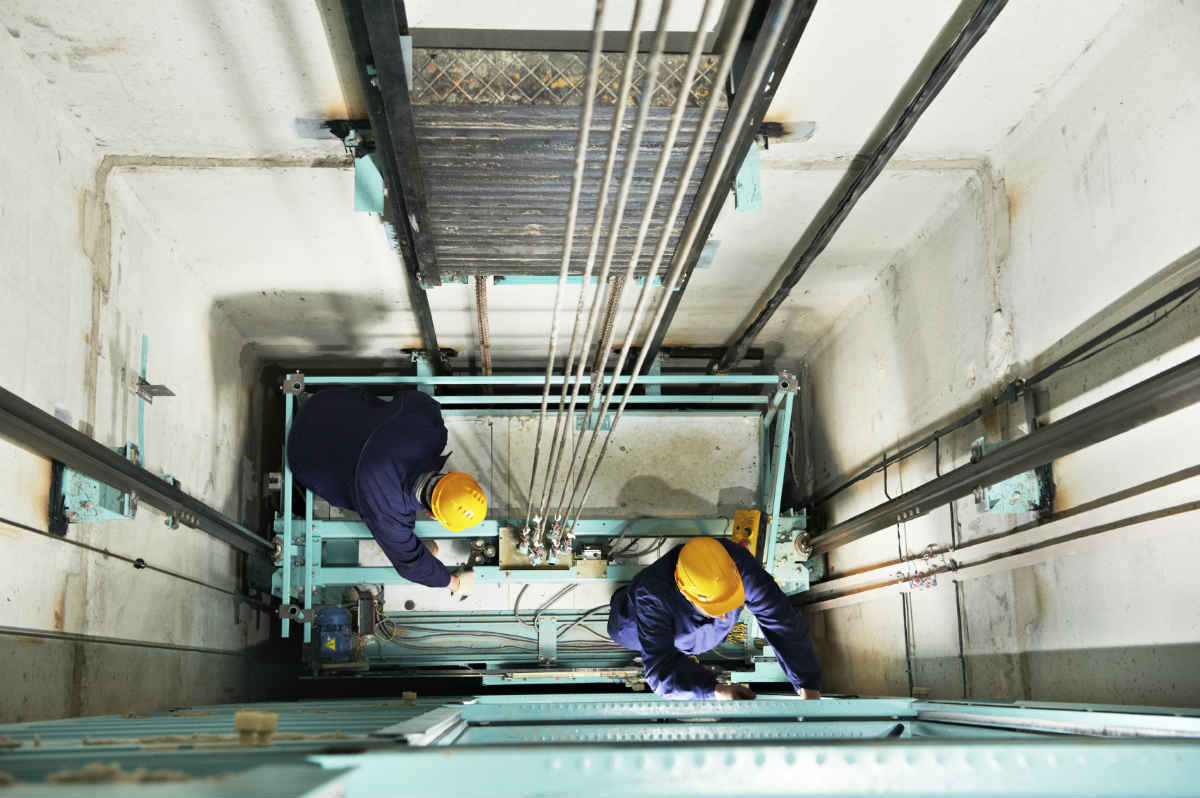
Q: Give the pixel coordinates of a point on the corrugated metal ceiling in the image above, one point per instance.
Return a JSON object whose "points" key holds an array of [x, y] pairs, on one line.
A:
{"points": [[498, 179]]}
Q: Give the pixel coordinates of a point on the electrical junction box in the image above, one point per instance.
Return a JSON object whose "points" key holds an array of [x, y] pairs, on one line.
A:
{"points": [[745, 529]]}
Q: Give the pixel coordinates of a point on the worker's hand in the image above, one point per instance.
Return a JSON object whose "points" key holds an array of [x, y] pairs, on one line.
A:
{"points": [[733, 692], [808, 693], [462, 583]]}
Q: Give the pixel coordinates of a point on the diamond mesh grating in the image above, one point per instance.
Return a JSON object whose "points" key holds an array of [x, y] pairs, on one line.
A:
{"points": [[526, 77]]}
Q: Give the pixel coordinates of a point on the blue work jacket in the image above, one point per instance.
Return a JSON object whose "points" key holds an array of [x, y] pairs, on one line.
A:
{"points": [[366, 454], [652, 617]]}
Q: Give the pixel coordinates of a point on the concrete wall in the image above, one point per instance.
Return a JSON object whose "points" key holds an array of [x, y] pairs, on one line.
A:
{"points": [[1092, 197], [72, 319]]}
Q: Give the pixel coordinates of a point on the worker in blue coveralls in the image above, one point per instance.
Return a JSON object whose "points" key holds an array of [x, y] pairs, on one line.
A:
{"points": [[687, 602], [383, 460]]}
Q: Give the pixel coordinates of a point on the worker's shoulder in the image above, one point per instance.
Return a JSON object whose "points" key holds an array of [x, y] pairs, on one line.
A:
{"points": [[741, 556]]}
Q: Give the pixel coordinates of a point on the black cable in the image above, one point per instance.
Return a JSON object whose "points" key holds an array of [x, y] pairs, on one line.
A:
{"points": [[1186, 291], [77, 637], [1129, 335], [136, 562]]}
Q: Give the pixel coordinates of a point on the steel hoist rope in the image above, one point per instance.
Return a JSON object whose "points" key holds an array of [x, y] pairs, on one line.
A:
{"points": [[585, 124], [740, 112], [567, 410]]}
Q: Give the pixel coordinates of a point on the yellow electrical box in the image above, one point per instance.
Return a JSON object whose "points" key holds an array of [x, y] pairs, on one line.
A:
{"points": [[745, 529]]}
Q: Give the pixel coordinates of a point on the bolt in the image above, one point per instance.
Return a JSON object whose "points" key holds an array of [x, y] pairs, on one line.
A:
{"points": [[410, 605]]}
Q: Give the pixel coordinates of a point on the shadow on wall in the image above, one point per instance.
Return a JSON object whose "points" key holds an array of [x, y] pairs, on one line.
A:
{"points": [[1149, 676], [299, 328], [646, 495], [303, 325]]}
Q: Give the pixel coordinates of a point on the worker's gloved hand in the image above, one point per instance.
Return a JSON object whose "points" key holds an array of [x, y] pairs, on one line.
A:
{"points": [[733, 692], [808, 693], [462, 583]]}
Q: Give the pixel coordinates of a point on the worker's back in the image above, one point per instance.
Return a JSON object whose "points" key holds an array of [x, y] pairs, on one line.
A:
{"points": [[340, 431]]}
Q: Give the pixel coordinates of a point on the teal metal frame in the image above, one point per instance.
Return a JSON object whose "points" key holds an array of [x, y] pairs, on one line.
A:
{"points": [[499, 643]]}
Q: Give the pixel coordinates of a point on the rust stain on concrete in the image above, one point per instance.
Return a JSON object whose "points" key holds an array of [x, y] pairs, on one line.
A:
{"points": [[60, 609]]}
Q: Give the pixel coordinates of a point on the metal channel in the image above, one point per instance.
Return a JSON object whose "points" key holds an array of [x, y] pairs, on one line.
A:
{"points": [[285, 576], [531, 379], [996, 768], [656, 733], [668, 399], [583, 709], [311, 546], [386, 24], [969, 24], [44, 434], [1150, 399], [588, 527], [360, 43], [738, 140], [484, 574]]}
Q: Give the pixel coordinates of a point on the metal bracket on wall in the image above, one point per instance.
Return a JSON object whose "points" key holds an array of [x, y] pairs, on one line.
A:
{"points": [[1023, 493], [294, 383], [147, 390], [79, 499], [297, 613]]}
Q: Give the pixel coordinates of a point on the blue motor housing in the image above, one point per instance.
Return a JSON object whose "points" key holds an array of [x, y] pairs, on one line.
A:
{"points": [[333, 634]]}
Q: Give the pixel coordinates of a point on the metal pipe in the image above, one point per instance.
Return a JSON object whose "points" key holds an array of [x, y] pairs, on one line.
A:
{"points": [[887, 137], [740, 112], [633, 151], [660, 172], [558, 440], [41, 432], [530, 379], [1153, 398], [585, 125], [481, 318]]}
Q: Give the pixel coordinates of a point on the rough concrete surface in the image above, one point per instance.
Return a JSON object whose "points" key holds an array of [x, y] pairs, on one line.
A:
{"points": [[1097, 182], [1047, 191]]}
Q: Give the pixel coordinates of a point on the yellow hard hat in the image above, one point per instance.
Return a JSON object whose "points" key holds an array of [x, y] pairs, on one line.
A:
{"points": [[707, 577], [458, 502]]}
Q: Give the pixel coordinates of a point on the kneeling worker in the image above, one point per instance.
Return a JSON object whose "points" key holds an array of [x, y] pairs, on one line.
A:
{"points": [[384, 461], [687, 602]]}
